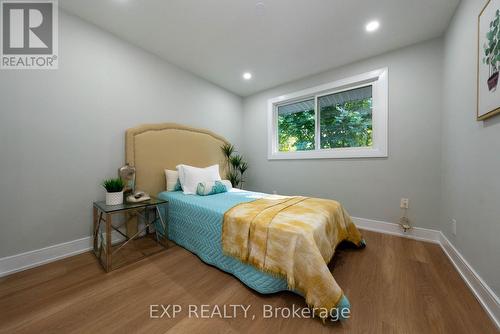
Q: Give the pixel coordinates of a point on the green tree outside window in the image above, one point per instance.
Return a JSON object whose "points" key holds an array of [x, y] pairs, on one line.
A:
{"points": [[347, 124], [344, 124]]}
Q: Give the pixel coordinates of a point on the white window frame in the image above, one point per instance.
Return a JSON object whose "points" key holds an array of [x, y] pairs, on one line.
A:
{"points": [[378, 79]]}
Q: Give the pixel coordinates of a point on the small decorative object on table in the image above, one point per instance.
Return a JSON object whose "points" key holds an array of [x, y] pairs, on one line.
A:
{"points": [[114, 191], [127, 174], [137, 197]]}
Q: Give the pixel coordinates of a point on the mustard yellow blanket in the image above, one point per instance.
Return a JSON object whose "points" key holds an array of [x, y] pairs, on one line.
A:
{"points": [[293, 237]]}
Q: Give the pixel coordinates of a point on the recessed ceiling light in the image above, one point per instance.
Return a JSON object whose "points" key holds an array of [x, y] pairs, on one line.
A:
{"points": [[372, 26], [247, 75], [260, 8]]}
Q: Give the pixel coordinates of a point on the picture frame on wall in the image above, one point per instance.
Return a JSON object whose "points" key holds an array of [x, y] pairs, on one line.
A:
{"points": [[488, 61]]}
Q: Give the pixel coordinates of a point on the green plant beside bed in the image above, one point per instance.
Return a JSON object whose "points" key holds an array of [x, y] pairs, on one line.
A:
{"points": [[113, 185], [236, 165]]}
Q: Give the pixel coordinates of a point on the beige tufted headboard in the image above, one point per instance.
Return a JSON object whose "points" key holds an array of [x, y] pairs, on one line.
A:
{"points": [[152, 148]]}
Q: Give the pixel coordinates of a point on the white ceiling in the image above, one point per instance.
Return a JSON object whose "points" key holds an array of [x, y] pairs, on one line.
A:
{"points": [[278, 42]]}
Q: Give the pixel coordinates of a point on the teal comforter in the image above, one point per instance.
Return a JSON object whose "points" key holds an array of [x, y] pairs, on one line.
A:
{"points": [[195, 223]]}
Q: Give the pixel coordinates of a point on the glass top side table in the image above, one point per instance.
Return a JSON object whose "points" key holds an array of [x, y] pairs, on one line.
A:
{"points": [[113, 248]]}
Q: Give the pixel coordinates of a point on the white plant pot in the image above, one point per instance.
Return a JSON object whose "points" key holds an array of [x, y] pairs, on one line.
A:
{"points": [[114, 198]]}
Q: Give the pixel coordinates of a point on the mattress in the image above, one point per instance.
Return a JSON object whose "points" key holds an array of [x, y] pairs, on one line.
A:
{"points": [[195, 223]]}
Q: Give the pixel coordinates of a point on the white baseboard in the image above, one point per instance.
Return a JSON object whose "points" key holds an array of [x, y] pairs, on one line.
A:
{"points": [[483, 293], [19, 262], [416, 233], [486, 297]]}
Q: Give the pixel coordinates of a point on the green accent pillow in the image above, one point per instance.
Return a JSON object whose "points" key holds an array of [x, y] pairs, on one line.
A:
{"points": [[212, 188]]}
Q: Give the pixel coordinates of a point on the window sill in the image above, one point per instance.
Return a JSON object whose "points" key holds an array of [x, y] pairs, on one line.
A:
{"points": [[340, 153]]}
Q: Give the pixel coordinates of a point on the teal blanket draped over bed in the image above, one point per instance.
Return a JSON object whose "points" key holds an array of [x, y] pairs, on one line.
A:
{"points": [[195, 223]]}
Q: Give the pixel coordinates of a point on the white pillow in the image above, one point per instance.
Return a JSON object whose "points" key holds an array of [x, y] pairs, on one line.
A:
{"points": [[190, 177], [172, 177]]}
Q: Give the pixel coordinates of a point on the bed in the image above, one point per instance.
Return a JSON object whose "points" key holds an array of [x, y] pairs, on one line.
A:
{"points": [[196, 222]]}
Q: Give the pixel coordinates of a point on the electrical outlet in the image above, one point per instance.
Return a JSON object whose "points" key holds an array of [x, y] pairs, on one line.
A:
{"points": [[454, 226], [405, 203]]}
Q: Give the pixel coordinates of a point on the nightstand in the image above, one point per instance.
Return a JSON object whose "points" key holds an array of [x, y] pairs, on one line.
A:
{"points": [[113, 247]]}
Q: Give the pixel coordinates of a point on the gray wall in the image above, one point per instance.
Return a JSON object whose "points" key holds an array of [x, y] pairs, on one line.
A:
{"points": [[369, 188], [471, 153], [62, 131]]}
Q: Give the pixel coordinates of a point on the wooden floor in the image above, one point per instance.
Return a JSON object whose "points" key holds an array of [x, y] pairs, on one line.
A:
{"points": [[395, 285]]}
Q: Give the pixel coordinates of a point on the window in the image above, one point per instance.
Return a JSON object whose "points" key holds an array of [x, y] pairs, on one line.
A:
{"points": [[346, 118], [296, 126], [342, 119]]}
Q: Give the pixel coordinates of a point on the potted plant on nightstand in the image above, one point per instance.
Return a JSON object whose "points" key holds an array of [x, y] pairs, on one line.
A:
{"points": [[114, 191]]}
